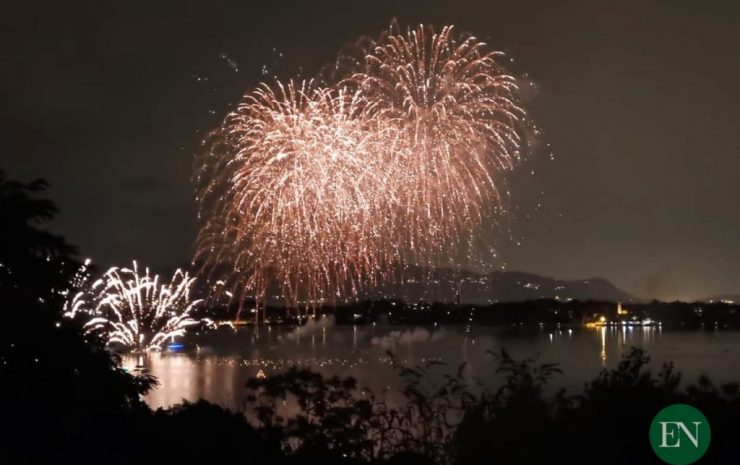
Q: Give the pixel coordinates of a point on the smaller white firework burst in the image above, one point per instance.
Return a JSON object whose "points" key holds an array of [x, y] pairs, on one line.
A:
{"points": [[136, 311]]}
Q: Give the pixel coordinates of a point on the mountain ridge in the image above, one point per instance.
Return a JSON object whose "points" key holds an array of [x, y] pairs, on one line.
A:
{"points": [[446, 285]]}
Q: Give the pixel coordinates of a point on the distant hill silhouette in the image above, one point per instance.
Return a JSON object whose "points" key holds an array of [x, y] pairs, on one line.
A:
{"points": [[442, 285]]}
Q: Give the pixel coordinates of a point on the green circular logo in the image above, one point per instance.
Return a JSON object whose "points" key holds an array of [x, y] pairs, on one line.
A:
{"points": [[680, 434]]}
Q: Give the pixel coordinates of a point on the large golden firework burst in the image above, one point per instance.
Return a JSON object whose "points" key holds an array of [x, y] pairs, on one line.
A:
{"points": [[324, 189]]}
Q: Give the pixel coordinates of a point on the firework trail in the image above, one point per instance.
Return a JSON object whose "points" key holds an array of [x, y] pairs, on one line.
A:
{"points": [[325, 187], [135, 310]]}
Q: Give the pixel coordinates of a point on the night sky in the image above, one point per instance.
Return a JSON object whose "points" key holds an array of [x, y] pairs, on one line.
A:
{"points": [[638, 102]]}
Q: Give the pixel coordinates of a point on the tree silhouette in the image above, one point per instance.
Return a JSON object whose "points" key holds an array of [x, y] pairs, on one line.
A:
{"points": [[57, 387], [35, 265]]}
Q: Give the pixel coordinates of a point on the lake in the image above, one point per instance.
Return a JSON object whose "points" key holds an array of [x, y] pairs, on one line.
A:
{"points": [[216, 365]]}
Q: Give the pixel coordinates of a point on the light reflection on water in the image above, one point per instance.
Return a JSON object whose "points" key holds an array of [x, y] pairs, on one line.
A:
{"points": [[216, 366]]}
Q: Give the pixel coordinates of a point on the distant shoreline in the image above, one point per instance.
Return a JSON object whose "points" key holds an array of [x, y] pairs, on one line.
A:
{"points": [[535, 313]]}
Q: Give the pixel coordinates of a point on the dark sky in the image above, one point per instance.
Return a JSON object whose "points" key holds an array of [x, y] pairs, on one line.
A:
{"points": [[639, 102]]}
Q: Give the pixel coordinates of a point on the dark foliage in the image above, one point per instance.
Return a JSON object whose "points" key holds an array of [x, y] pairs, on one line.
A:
{"points": [[35, 265], [197, 433], [60, 395], [521, 421]]}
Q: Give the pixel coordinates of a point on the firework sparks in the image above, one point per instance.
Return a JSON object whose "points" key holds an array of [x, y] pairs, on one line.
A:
{"points": [[395, 160], [456, 109], [136, 310]]}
